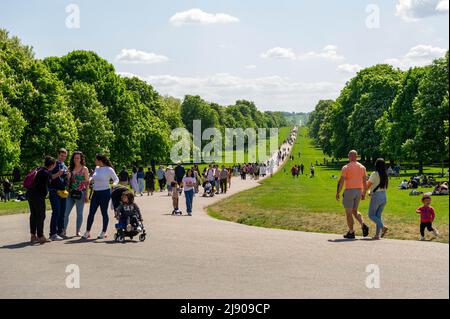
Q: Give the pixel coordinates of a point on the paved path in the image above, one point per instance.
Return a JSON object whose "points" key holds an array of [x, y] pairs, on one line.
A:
{"points": [[200, 257]]}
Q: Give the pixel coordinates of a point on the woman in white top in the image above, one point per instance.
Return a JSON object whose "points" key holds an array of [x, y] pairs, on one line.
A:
{"points": [[189, 182], [134, 181], [378, 184], [101, 178]]}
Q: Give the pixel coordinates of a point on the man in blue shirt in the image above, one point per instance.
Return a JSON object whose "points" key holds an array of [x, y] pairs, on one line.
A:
{"points": [[58, 183]]}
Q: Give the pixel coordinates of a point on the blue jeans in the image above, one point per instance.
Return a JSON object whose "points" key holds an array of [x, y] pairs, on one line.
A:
{"points": [[79, 203], [58, 212], [99, 199], [189, 200], [141, 185], [377, 203]]}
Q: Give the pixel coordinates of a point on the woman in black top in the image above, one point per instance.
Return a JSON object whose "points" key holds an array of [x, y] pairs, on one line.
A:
{"points": [[36, 199]]}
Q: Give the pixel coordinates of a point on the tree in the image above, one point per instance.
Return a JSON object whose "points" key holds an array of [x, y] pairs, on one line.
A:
{"points": [[95, 130], [195, 108], [372, 92], [317, 118], [431, 109], [11, 129], [399, 123]]}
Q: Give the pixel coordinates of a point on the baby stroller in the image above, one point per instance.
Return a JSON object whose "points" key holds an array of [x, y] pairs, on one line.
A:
{"points": [[209, 190], [132, 227]]}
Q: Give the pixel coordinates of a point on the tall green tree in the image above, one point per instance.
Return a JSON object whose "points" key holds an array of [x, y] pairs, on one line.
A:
{"points": [[432, 111], [371, 92], [12, 126], [95, 130], [399, 123]]}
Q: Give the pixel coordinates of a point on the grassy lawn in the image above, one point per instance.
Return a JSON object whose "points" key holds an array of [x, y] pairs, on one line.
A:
{"points": [[12, 207], [309, 204]]}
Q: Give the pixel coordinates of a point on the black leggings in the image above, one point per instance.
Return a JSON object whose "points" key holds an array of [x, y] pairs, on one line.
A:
{"points": [[423, 226], [99, 199], [37, 214]]}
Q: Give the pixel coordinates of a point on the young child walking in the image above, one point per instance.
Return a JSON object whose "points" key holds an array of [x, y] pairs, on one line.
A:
{"points": [[175, 198], [427, 216]]}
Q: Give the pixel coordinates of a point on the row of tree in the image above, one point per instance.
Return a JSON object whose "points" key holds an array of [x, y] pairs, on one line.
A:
{"points": [[78, 101], [382, 111]]}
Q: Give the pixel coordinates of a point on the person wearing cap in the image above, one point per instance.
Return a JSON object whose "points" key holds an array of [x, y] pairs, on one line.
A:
{"points": [[427, 216], [170, 177]]}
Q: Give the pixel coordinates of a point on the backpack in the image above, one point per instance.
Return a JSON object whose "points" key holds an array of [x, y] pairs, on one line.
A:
{"points": [[28, 182]]}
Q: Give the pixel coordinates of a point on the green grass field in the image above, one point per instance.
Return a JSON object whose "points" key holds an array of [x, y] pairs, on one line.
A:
{"points": [[309, 204]]}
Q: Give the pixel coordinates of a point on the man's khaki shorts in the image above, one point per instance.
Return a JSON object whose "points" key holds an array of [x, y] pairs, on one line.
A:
{"points": [[351, 198]]}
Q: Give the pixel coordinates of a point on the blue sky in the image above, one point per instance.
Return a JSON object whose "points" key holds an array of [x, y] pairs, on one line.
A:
{"points": [[284, 54]]}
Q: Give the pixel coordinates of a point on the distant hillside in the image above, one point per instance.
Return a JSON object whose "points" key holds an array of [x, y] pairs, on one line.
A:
{"points": [[299, 119]]}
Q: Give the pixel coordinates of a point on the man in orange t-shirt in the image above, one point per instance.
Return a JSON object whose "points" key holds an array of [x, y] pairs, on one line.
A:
{"points": [[355, 180]]}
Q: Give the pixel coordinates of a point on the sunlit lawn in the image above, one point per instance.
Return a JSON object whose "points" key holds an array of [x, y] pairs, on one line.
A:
{"points": [[309, 204]]}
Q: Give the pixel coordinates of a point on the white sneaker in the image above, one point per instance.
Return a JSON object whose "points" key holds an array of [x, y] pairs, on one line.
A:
{"points": [[436, 233], [422, 238], [102, 235], [56, 238]]}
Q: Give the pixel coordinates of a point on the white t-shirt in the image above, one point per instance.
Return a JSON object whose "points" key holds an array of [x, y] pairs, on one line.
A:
{"points": [[102, 176], [189, 183], [375, 179]]}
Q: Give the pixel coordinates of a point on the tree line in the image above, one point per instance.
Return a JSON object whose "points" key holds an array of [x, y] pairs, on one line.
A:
{"points": [[79, 102], [385, 112]]}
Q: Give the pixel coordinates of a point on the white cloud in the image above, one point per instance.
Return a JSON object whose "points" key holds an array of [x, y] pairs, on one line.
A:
{"points": [[443, 6], [199, 17], [269, 92], [419, 55], [133, 56], [413, 10], [329, 53], [279, 53], [250, 67], [349, 68]]}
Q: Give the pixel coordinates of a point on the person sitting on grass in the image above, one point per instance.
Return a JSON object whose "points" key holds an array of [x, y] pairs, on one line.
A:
{"points": [[441, 189], [404, 184], [427, 216]]}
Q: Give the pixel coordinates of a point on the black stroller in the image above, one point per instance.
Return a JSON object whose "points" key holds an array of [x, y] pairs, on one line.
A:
{"points": [[124, 230]]}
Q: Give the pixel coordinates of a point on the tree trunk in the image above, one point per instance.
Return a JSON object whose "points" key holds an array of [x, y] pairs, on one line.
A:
{"points": [[420, 167]]}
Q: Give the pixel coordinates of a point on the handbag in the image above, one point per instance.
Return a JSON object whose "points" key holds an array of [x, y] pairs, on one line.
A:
{"points": [[75, 194]]}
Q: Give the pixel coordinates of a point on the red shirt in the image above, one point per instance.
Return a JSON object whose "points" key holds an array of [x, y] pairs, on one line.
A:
{"points": [[426, 214]]}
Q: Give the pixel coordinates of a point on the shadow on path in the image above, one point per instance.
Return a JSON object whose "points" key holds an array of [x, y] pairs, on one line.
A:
{"points": [[18, 245]]}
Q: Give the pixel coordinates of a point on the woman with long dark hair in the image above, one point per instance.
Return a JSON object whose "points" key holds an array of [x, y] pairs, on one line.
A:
{"points": [[189, 182], [378, 185], [103, 174], [78, 183]]}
